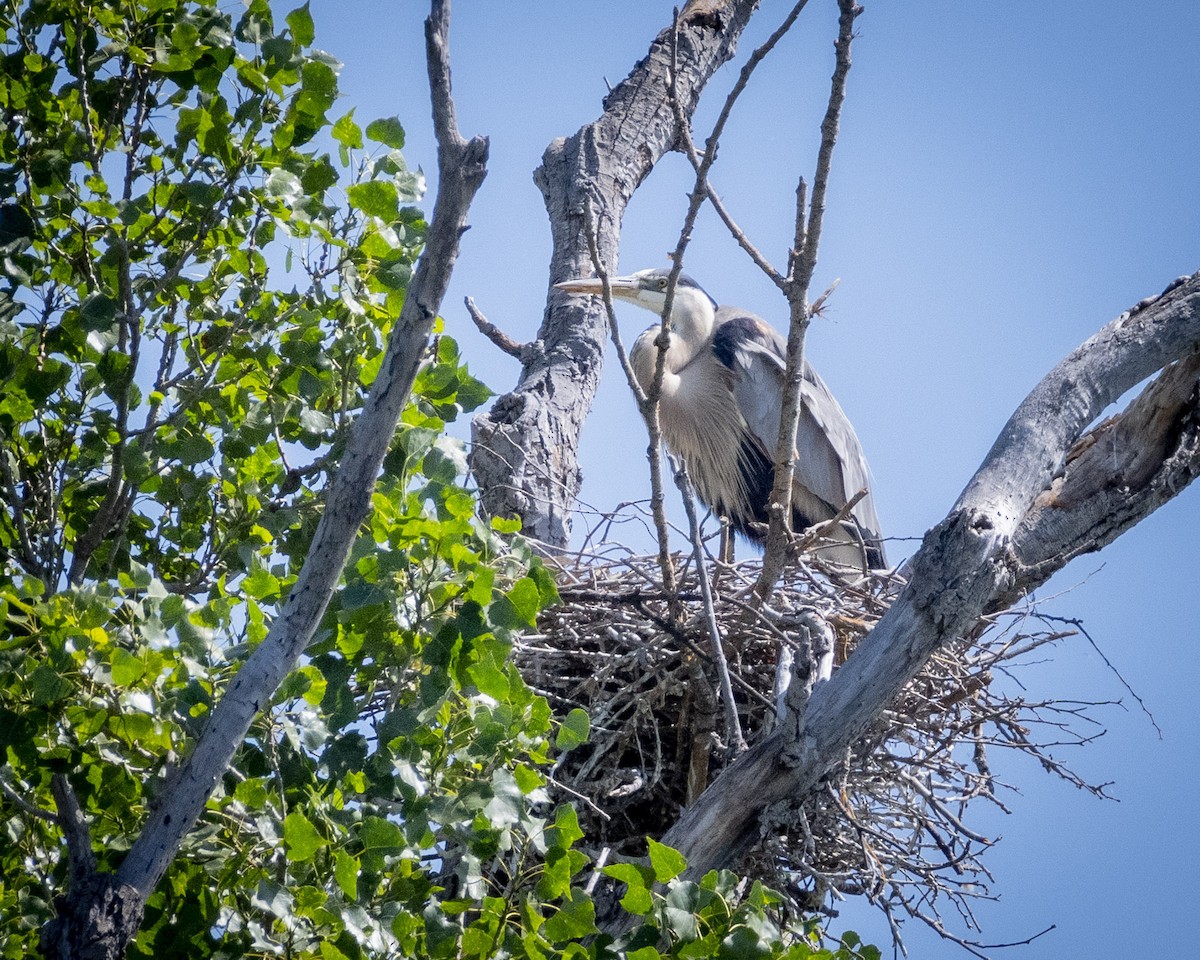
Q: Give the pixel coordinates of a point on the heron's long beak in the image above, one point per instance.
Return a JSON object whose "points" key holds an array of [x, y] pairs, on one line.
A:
{"points": [[623, 288]]}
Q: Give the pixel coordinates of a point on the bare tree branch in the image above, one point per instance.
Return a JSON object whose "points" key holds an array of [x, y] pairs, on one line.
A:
{"points": [[647, 405], [1116, 475], [802, 263], [733, 729], [521, 351], [75, 829]]}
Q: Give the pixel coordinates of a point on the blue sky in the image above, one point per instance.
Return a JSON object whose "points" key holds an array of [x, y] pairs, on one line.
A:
{"points": [[1009, 177]]}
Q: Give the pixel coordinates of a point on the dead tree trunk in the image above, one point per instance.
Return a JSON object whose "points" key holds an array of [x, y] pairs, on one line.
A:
{"points": [[526, 458], [1047, 492]]}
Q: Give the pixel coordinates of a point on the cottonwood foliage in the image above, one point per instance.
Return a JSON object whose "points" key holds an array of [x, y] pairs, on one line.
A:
{"points": [[201, 260]]}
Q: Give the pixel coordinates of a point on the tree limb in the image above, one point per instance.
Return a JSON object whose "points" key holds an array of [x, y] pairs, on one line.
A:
{"points": [[981, 553], [801, 265], [462, 168]]}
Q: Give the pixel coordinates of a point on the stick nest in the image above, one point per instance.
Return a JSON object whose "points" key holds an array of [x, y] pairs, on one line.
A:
{"points": [[888, 824]]}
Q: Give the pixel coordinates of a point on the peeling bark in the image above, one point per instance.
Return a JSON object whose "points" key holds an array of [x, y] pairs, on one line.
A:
{"points": [[525, 457]]}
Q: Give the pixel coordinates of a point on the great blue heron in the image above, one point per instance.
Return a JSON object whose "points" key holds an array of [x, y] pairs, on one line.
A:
{"points": [[719, 411]]}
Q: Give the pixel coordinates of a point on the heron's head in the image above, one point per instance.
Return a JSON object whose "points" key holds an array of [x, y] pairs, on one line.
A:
{"points": [[648, 289]]}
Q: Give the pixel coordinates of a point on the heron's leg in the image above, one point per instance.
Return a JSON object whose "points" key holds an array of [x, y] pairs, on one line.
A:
{"points": [[725, 549]]}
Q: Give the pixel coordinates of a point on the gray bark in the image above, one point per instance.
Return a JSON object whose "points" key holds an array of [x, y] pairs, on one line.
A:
{"points": [[1022, 516], [525, 458]]}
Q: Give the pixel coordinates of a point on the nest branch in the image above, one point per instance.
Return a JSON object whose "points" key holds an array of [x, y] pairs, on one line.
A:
{"points": [[891, 824]]}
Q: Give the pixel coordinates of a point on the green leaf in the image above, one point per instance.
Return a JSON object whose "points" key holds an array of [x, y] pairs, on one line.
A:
{"points": [[507, 805], [547, 591], [347, 132], [667, 862], [575, 918], [566, 831], [527, 778], [284, 184], [301, 23], [47, 685], [97, 312], [637, 899], [506, 524], [748, 943], [377, 833], [575, 729], [518, 608], [387, 131], [301, 837], [375, 198], [345, 872], [126, 668], [330, 952]]}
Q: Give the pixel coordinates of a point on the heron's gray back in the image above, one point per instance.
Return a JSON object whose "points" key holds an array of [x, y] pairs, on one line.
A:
{"points": [[830, 464]]}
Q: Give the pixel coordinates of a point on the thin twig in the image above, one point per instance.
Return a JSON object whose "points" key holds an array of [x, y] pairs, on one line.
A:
{"points": [[702, 164], [647, 405], [803, 264], [600, 862], [733, 727], [521, 351], [21, 803]]}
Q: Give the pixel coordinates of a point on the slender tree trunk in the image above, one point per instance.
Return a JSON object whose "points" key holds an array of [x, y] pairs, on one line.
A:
{"points": [[102, 912]]}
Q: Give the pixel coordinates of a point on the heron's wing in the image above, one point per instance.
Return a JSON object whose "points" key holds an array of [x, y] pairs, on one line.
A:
{"points": [[823, 415], [831, 466]]}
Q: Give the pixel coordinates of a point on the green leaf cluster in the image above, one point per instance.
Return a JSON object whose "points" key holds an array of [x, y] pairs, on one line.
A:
{"points": [[715, 917]]}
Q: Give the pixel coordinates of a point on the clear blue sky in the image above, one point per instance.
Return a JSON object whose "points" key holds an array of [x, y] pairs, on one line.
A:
{"points": [[1010, 176]]}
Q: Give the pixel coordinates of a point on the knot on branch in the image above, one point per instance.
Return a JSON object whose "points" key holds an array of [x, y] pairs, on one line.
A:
{"points": [[708, 14], [797, 672], [961, 564]]}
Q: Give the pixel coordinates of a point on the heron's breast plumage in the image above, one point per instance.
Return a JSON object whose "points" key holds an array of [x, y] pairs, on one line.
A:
{"points": [[702, 423]]}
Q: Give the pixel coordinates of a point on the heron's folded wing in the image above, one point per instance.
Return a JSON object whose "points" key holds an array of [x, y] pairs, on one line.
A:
{"points": [[830, 464]]}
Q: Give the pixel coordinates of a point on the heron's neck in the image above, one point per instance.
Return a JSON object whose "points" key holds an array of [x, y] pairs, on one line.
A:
{"points": [[691, 329], [690, 334]]}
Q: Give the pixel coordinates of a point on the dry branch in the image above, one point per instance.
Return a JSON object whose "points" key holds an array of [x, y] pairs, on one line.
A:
{"points": [[965, 564]]}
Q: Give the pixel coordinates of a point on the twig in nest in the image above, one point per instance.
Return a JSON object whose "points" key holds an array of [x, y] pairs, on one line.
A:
{"points": [[733, 728]]}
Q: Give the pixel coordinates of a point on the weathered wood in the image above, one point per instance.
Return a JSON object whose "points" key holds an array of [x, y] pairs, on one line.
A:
{"points": [[967, 562], [1115, 476], [525, 458]]}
